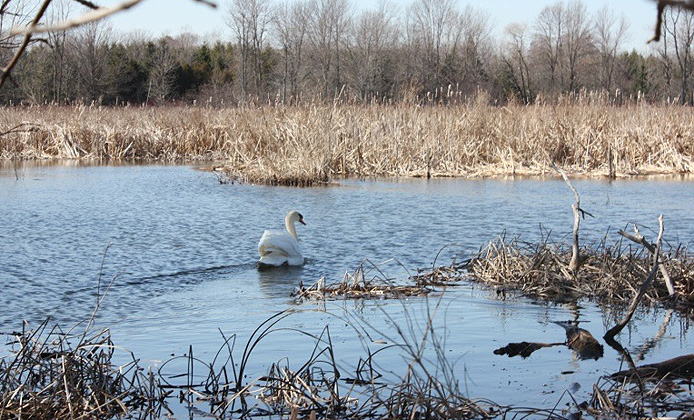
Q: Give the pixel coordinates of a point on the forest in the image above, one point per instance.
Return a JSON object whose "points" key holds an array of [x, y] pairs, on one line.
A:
{"points": [[434, 51]]}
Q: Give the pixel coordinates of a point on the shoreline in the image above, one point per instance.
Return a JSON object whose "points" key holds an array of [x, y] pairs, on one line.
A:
{"points": [[206, 165]]}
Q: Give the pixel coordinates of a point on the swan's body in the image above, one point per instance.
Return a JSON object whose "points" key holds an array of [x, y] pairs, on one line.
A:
{"points": [[279, 247]]}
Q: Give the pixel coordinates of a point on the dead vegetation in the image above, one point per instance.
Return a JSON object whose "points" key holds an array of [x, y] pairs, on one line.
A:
{"points": [[367, 281], [620, 396], [609, 273], [46, 376], [319, 386], [311, 144]]}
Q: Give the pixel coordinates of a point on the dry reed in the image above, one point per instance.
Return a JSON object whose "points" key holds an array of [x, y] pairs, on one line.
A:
{"points": [[608, 274], [620, 398], [368, 281], [45, 376], [311, 143]]}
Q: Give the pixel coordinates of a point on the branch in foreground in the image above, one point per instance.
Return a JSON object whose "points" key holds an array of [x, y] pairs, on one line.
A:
{"points": [[662, 4], [27, 38], [91, 16]]}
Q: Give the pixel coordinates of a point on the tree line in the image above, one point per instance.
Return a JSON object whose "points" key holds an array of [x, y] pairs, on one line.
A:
{"points": [[322, 50]]}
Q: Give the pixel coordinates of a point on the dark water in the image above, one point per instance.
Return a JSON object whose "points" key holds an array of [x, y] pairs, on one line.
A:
{"points": [[180, 252]]}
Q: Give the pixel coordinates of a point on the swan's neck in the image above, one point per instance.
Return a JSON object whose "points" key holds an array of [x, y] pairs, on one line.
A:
{"points": [[290, 228]]}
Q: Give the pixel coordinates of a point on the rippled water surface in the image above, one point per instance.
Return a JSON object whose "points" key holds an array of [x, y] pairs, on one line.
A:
{"points": [[180, 251]]}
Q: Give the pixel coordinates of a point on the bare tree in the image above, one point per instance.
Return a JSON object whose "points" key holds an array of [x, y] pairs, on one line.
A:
{"points": [[515, 58], [250, 21], [475, 48], [433, 32], [610, 33], [562, 45], [327, 26], [548, 47], [290, 24], [88, 51], [161, 74], [678, 26], [58, 40], [374, 32], [578, 41]]}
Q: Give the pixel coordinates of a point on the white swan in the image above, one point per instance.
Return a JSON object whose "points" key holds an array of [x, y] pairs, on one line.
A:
{"points": [[278, 247]]}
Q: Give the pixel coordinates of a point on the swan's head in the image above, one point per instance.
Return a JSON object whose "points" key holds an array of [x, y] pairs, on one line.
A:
{"points": [[295, 216]]}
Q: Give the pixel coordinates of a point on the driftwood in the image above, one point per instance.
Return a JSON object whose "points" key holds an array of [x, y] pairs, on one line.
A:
{"points": [[681, 367], [609, 336]]}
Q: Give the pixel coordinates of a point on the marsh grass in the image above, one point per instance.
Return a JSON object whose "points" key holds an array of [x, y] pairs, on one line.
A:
{"points": [[46, 376], [623, 399], [367, 281], [311, 144], [609, 274], [320, 385]]}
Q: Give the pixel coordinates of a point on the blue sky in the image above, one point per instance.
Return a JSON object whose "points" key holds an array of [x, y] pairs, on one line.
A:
{"points": [[171, 17]]}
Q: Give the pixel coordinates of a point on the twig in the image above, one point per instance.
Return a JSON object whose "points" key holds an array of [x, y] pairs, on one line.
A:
{"points": [[17, 129], [91, 16], [642, 290], [87, 4], [27, 38]]}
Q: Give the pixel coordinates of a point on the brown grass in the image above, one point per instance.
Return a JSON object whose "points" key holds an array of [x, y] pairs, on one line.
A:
{"points": [[367, 281], [303, 145], [608, 274], [52, 374]]}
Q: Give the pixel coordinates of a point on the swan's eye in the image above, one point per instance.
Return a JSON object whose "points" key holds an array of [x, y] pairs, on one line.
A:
{"points": [[300, 216]]}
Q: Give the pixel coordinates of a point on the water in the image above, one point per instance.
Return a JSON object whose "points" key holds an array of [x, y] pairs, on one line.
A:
{"points": [[179, 251]]}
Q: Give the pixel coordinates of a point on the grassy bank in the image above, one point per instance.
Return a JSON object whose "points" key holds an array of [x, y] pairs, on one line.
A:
{"points": [[304, 144]]}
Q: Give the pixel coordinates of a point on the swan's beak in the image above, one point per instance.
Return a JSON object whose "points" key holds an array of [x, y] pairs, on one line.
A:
{"points": [[302, 221]]}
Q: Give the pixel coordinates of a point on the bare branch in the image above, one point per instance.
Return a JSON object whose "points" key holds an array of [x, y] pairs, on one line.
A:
{"points": [[575, 263], [639, 239], [609, 335], [91, 16], [87, 4], [27, 38]]}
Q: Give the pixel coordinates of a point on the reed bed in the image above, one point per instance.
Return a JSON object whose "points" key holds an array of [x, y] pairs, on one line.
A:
{"points": [[44, 376], [312, 143], [608, 274]]}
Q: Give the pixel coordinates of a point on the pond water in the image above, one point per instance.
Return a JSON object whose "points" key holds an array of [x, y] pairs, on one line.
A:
{"points": [[180, 250]]}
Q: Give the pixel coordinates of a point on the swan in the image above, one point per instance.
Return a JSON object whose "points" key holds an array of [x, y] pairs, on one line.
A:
{"points": [[278, 247]]}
